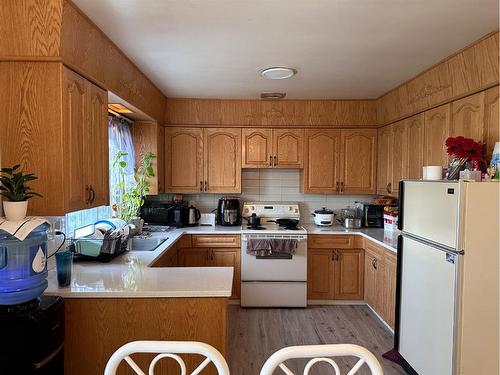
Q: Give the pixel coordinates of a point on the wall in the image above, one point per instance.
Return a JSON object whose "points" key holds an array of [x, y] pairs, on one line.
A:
{"points": [[277, 185]]}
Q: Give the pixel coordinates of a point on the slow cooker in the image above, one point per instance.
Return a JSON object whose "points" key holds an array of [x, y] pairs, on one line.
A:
{"points": [[323, 217]]}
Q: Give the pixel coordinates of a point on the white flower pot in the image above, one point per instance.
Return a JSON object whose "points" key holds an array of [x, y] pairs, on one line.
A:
{"points": [[15, 211]]}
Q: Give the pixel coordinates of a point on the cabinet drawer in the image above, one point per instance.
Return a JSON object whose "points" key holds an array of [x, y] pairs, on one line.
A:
{"points": [[330, 242], [216, 241], [184, 241]]}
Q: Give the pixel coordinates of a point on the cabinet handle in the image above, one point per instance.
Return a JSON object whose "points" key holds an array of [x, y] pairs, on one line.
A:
{"points": [[270, 161], [333, 255], [92, 194], [87, 193], [337, 186], [389, 188], [342, 187], [208, 252], [275, 160], [201, 185], [374, 263], [206, 186]]}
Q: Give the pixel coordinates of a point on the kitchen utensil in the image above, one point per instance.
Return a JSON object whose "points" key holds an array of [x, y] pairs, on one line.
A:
{"points": [[323, 217], [288, 223], [228, 211], [352, 222], [253, 220], [193, 216]]}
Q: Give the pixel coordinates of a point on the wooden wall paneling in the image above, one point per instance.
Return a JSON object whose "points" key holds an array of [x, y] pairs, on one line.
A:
{"points": [[86, 49], [31, 131], [288, 148], [30, 28], [257, 148], [92, 328], [98, 152], [286, 113], [322, 161], [467, 117], [222, 160], [415, 150], [473, 69], [436, 125], [384, 160], [149, 136], [359, 161], [491, 120], [183, 160]]}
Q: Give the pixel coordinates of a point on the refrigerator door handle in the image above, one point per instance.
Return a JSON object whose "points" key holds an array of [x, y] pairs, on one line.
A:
{"points": [[401, 204], [433, 244]]}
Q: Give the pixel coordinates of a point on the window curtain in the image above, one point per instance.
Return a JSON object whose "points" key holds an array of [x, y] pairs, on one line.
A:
{"points": [[120, 139]]}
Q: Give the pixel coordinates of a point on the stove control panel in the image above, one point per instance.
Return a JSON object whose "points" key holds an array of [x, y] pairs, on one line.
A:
{"points": [[272, 209]]}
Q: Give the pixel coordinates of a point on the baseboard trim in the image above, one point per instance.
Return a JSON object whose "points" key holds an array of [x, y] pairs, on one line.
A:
{"points": [[314, 302]]}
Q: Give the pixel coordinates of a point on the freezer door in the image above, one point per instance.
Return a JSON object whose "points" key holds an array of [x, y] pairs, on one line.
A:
{"points": [[427, 307], [430, 210]]}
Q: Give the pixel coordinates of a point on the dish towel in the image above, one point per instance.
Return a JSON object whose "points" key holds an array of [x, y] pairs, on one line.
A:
{"points": [[259, 247], [266, 247], [284, 246], [21, 229]]}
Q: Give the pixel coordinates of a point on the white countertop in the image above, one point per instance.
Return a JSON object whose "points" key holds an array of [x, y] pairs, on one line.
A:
{"points": [[129, 275]]}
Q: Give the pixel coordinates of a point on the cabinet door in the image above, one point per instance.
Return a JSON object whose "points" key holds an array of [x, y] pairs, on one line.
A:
{"points": [[256, 150], [415, 146], [194, 257], [288, 148], [390, 266], [75, 120], [222, 155], [436, 130], [467, 117], [372, 280], [399, 154], [359, 148], [183, 160], [384, 177], [96, 145], [491, 120], [225, 257], [322, 161], [320, 282], [348, 274]]}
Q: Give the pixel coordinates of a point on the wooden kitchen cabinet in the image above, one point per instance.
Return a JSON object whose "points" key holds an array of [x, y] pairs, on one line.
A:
{"points": [[194, 257], [467, 117], [320, 276], [85, 129], [348, 268], [415, 146], [399, 154], [183, 160], [436, 130], [228, 257], [149, 136], [373, 278], [322, 161], [390, 269], [384, 178], [222, 160], [272, 148], [359, 156], [491, 129]]}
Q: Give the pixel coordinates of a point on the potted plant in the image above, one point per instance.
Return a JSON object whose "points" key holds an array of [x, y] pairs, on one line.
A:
{"points": [[129, 199], [15, 192]]}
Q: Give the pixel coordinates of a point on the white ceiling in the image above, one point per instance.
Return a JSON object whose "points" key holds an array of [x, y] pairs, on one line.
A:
{"points": [[342, 48]]}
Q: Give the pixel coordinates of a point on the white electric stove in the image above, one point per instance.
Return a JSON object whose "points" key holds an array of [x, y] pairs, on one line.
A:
{"points": [[274, 280]]}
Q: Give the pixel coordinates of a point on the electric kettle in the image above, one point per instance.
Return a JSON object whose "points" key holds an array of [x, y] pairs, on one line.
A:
{"points": [[193, 215]]}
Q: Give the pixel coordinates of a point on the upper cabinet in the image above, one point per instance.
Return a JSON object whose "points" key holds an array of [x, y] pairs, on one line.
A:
{"points": [[203, 160], [384, 178], [340, 161], [85, 132], [149, 136], [321, 169], [272, 148], [467, 117], [399, 154], [415, 146], [358, 167], [436, 130], [491, 123]]}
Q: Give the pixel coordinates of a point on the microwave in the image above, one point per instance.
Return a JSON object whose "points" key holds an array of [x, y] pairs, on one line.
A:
{"points": [[372, 214]]}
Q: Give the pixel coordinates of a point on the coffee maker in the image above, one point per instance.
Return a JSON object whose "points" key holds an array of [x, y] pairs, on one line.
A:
{"points": [[229, 211]]}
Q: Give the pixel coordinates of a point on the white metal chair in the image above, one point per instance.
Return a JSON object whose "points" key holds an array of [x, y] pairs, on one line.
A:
{"points": [[320, 353], [167, 349]]}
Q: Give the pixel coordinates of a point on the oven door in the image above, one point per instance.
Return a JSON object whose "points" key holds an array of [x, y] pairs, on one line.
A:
{"points": [[274, 267]]}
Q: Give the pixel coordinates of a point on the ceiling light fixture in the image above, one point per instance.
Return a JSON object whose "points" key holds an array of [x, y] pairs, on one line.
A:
{"points": [[272, 95], [278, 72]]}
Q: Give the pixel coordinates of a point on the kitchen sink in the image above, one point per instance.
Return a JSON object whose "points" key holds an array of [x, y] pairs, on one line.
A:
{"points": [[145, 244]]}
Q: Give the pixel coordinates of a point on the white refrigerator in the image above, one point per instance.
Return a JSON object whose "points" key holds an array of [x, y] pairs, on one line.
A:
{"points": [[447, 314]]}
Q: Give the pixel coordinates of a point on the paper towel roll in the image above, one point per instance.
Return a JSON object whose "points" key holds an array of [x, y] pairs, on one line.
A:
{"points": [[433, 172]]}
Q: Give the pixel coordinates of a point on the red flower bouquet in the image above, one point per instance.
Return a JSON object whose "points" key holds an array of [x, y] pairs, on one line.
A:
{"points": [[465, 148]]}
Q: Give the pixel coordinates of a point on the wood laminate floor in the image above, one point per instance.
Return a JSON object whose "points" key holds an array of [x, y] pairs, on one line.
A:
{"points": [[254, 334]]}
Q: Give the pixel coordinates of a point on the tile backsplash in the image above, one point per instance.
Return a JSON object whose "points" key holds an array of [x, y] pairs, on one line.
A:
{"points": [[277, 185]]}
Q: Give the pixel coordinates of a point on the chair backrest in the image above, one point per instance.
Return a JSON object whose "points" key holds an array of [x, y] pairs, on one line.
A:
{"points": [[167, 349], [321, 353]]}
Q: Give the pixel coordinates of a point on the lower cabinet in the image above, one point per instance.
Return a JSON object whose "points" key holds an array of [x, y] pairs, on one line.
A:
{"points": [[335, 271], [380, 281], [209, 251]]}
